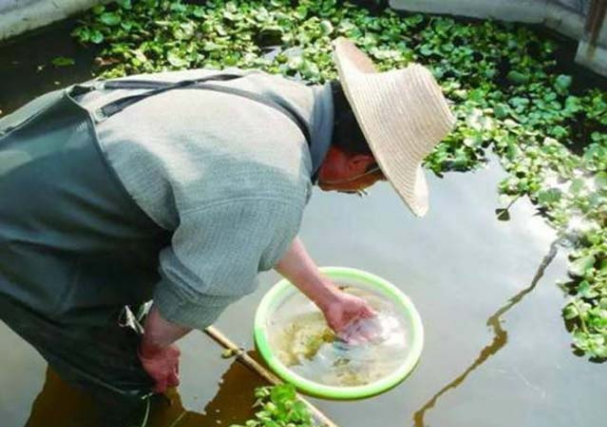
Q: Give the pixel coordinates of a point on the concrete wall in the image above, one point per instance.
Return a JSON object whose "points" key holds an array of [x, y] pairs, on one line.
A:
{"points": [[565, 16], [19, 16], [562, 15], [577, 6]]}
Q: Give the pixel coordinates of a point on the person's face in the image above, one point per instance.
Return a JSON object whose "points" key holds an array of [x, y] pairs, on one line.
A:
{"points": [[348, 173]]}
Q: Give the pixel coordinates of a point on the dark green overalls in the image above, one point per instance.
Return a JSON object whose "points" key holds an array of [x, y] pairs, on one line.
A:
{"points": [[75, 249]]}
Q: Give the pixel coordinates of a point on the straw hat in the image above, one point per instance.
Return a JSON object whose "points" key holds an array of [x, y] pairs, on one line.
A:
{"points": [[403, 115]]}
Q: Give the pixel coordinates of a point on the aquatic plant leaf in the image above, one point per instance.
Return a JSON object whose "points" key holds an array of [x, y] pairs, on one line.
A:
{"points": [[98, 9], [176, 59], [518, 77], [502, 214], [326, 27], [109, 18], [228, 353], [125, 4], [500, 111], [570, 312], [580, 266], [562, 83], [96, 37], [549, 196], [63, 61], [282, 393]]}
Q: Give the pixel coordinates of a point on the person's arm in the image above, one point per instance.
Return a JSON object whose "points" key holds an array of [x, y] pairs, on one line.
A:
{"points": [[213, 260], [339, 308], [158, 354]]}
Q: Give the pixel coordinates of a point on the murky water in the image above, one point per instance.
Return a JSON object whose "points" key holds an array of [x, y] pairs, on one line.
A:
{"points": [[26, 68], [496, 351]]}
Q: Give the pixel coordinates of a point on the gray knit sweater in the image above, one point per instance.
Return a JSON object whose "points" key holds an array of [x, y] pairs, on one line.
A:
{"points": [[229, 176]]}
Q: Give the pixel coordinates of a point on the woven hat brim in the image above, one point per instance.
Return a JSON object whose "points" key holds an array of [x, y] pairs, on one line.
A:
{"points": [[403, 115]]}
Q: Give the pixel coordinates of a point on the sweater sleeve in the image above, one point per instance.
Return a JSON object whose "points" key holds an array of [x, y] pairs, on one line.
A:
{"points": [[215, 256]]}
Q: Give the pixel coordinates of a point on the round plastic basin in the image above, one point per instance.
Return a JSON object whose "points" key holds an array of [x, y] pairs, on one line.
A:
{"points": [[283, 290]]}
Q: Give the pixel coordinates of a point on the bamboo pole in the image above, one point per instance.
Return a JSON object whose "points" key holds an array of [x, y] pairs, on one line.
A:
{"points": [[252, 364]]}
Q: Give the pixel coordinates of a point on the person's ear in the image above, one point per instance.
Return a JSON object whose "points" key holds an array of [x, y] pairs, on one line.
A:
{"points": [[359, 163]]}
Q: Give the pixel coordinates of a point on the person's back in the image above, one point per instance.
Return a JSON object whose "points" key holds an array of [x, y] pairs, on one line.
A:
{"points": [[228, 175], [221, 145], [206, 187]]}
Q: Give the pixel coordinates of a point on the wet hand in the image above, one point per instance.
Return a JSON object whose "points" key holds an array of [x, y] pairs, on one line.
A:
{"points": [[347, 317], [162, 364]]}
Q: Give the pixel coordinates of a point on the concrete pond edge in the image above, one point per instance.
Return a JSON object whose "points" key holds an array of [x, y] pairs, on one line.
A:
{"points": [[20, 16]]}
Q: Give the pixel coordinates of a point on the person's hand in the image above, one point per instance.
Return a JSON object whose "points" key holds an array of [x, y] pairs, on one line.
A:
{"points": [[162, 365], [346, 316]]}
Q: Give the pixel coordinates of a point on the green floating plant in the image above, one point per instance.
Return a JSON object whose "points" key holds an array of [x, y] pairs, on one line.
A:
{"points": [[278, 406], [63, 61]]}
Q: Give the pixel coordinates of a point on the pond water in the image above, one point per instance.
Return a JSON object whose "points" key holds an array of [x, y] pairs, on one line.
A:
{"points": [[496, 351]]}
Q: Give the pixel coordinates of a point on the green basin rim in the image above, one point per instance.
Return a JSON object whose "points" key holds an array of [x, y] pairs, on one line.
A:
{"points": [[276, 296]]}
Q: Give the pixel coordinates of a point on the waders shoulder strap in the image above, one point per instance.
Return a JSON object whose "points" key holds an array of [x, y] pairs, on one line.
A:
{"points": [[160, 87], [157, 87]]}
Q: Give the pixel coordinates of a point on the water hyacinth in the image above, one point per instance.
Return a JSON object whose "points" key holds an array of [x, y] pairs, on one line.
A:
{"points": [[507, 94]]}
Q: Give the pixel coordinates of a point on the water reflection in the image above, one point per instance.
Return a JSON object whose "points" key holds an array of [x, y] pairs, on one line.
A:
{"points": [[500, 337], [60, 404]]}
